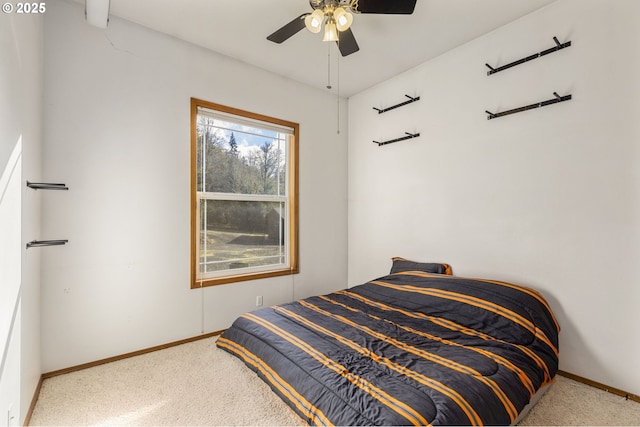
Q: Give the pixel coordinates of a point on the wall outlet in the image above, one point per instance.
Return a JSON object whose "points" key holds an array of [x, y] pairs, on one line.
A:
{"points": [[259, 301]]}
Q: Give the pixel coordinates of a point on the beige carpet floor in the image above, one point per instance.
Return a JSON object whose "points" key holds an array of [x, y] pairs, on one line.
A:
{"points": [[198, 384]]}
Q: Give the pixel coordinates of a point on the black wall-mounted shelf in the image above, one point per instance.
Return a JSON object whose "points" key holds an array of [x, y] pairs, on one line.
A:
{"points": [[411, 99], [409, 136], [46, 186], [556, 48], [40, 243], [555, 100]]}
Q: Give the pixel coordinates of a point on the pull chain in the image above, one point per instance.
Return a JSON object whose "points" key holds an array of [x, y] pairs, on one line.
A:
{"points": [[338, 83], [338, 92], [328, 65]]}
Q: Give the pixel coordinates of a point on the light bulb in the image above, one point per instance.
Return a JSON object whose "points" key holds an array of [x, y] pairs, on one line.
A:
{"points": [[313, 21], [330, 31], [343, 19]]}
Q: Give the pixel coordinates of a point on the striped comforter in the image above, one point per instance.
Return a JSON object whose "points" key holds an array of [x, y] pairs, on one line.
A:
{"points": [[408, 348]]}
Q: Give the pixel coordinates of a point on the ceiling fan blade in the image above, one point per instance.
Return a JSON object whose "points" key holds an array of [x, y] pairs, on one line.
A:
{"points": [[387, 7], [347, 42], [288, 30]]}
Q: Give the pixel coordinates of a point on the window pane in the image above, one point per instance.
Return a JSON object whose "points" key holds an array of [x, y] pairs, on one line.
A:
{"points": [[241, 234], [244, 186], [240, 159]]}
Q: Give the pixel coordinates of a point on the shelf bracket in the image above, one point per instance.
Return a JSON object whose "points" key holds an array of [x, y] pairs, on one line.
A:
{"points": [[384, 110], [40, 243], [409, 136], [557, 98], [46, 186], [556, 48]]}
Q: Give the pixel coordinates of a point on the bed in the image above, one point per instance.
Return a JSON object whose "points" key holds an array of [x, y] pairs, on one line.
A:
{"points": [[419, 346]]}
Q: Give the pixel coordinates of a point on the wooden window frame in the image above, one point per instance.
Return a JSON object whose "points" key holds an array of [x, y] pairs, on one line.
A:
{"points": [[292, 175]]}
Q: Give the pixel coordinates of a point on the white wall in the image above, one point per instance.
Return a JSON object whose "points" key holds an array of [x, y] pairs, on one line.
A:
{"points": [[20, 144], [117, 105], [548, 198]]}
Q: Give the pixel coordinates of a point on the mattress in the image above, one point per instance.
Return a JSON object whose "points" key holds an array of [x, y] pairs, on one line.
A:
{"points": [[409, 348]]}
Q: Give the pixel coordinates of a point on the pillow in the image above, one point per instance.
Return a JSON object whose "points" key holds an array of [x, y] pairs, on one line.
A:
{"points": [[401, 264]]}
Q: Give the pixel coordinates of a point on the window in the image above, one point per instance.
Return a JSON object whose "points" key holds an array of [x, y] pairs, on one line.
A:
{"points": [[244, 211]]}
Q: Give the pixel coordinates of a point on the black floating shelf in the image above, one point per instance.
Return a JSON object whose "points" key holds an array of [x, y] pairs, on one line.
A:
{"points": [[411, 99], [409, 136], [40, 243], [46, 186], [555, 100], [556, 48]]}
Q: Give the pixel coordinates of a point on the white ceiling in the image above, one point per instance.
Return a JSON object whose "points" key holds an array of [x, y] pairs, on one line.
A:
{"points": [[389, 44]]}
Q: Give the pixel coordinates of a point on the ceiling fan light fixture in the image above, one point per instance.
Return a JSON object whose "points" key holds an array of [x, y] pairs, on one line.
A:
{"points": [[330, 31], [343, 19], [313, 21]]}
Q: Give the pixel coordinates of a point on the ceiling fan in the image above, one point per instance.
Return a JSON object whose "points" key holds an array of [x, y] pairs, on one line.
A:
{"points": [[337, 19]]}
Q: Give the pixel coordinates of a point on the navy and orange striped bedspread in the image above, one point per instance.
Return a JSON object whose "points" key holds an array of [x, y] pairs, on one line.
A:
{"points": [[408, 348]]}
